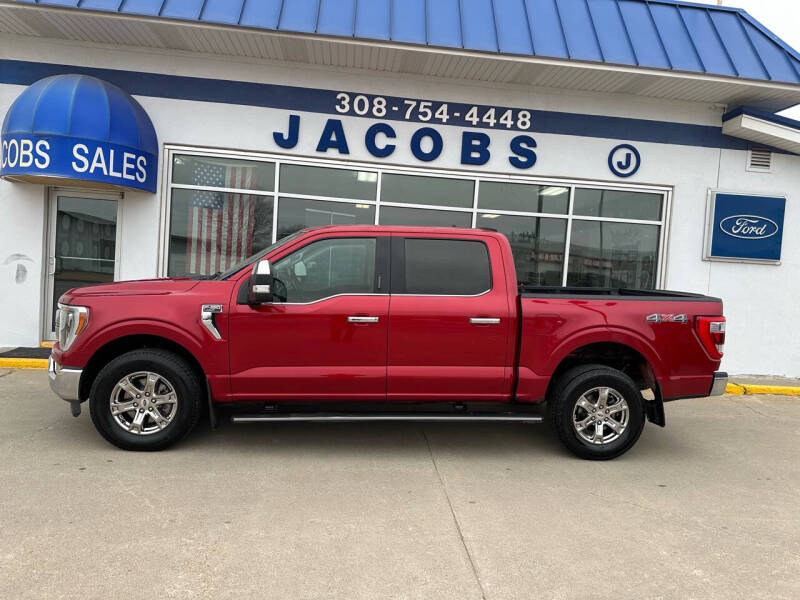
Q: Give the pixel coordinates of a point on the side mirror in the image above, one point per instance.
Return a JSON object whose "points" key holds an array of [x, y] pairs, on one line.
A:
{"points": [[261, 282]]}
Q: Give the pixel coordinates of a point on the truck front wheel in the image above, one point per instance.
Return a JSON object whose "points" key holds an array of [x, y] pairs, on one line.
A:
{"points": [[145, 400], [596, 411]]}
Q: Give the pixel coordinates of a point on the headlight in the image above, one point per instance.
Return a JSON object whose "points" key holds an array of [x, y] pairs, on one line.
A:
{"points": [[70, 321]]}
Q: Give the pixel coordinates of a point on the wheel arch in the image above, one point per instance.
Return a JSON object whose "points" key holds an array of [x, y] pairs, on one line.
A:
{"points": [[624, 357], [120, 345]]}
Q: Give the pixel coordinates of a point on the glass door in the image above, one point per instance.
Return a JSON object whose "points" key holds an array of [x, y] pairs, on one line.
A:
{"points": [[82, 248]]}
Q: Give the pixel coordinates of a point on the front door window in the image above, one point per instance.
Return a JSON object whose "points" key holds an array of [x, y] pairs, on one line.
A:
{"points": [[328, 268]]}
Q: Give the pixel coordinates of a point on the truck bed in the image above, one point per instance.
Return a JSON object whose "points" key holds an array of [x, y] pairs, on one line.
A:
{"points": [[533, 291], [558, 324]]}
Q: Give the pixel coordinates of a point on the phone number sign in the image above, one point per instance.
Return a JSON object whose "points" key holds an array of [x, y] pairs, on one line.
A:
{"points": [[430, 111]]}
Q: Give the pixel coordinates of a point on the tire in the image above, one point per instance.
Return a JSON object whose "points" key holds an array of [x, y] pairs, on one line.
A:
{"points": [[160, 417], [578, 393]]}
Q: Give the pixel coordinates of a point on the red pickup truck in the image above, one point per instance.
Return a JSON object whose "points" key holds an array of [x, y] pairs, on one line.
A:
{"points": [[382, 323]]}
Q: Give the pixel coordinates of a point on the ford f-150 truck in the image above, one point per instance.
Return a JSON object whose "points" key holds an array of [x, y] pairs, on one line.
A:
{"points": [[382, 323]]}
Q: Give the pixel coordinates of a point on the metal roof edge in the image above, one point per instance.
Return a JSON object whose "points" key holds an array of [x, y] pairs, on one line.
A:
{"points": [[49, 4], [768, 32], [416, 47]]}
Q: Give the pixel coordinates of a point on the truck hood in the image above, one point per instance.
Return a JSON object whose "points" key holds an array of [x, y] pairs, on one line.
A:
{"points": [[141, 287]]}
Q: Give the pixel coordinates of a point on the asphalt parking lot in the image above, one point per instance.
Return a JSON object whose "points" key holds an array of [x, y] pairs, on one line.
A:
{"points": [[706, 508]]}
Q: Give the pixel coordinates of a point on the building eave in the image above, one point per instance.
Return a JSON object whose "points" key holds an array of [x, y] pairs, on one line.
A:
{"points": [[775, 132], [388, 57]]}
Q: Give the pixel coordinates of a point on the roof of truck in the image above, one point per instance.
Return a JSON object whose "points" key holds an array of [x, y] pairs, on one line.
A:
{"points": [[408, 229]]}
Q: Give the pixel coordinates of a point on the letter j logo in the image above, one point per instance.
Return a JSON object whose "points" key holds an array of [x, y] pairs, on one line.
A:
{"points": [[624, 160]]}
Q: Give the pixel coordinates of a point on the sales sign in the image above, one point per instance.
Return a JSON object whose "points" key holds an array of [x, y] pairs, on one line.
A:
{"points": [[745, 227]]}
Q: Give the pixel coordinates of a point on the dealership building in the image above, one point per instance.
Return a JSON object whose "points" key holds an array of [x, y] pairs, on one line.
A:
{"points": [[617, 143]]}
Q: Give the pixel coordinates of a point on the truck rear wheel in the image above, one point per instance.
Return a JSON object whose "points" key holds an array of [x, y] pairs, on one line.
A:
{"points": [[145, 400], [596, 411]]}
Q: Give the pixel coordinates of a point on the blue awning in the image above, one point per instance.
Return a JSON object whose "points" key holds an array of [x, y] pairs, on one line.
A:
{"points": [[79, 130], [655, 34]]}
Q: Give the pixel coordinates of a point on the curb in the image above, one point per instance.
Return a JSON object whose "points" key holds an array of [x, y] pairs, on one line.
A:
{"points": [[23, 363], [748, 389]]}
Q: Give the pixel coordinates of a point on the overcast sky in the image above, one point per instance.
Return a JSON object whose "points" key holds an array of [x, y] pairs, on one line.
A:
{"points": [[782, 17]]}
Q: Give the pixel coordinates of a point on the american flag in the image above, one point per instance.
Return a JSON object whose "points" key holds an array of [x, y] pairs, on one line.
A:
{"points": [[220, 227]]}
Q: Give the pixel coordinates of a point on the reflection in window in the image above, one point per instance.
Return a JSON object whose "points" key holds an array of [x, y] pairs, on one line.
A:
{"points": [[327, 268], [295, 214], [333, 183], [617, 204], [436, 191], [214, 171], [395, 215], [85, 244], [537, 244], [523, 197], [607, 254], [211, 231]]}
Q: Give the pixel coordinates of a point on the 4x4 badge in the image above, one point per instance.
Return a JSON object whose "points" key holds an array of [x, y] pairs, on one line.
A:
{"points": [[667, 318]]}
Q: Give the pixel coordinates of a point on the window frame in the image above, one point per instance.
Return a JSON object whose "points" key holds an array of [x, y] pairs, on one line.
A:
{"points": [[170, 150]]}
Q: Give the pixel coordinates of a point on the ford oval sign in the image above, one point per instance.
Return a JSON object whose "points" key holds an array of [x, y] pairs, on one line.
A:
{"points": [[745, 227], [748, 227]]}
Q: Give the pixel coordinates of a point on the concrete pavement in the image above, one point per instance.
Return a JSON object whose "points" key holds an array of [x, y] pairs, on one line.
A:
{"points": [[706, 508]]}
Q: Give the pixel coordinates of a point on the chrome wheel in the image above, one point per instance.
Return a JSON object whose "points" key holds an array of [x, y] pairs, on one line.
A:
{"points": [[143, 403], [600, 415]]}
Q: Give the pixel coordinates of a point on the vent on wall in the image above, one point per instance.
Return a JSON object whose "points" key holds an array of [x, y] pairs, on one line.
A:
{"points": [[759, 159]]}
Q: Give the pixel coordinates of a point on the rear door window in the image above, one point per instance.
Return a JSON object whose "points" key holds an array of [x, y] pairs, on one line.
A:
{"points": [[444, 267]]}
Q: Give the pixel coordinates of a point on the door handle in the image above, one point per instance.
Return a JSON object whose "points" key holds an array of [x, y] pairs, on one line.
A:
{"points": [[356, 319], [485, 320]]}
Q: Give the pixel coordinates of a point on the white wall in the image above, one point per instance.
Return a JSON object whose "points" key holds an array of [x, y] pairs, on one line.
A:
{"points": [[757, 298], [761, 300]]}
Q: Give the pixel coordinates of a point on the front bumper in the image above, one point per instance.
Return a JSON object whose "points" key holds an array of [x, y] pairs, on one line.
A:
{"points": [[64, 381], [719, 384]]}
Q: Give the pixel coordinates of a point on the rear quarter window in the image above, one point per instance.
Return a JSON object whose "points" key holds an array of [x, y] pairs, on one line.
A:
{"points": [[446, 267]]}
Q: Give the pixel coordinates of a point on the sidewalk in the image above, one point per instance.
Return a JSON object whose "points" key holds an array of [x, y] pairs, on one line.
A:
{"points": [[24, 358]]}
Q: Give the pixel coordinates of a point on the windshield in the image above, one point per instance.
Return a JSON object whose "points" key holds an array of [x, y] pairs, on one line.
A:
{"points": [[250, 260]]}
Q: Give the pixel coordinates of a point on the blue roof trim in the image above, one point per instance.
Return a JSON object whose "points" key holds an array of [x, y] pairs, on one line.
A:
{"points": [[660, 34], [246, 93], [761, 114]]}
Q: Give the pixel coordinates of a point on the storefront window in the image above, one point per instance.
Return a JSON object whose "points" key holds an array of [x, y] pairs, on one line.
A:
{"points": [[615, 234], [537, 244], [217, 172], [523, 197], [295, 214], [436, 191], [617, 204], [212, 231], [395, 215], [333, 183], [608, 254]]}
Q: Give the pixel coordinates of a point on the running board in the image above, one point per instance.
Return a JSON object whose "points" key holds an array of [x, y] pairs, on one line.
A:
{"points": [[355, 417]]}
